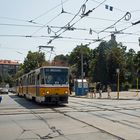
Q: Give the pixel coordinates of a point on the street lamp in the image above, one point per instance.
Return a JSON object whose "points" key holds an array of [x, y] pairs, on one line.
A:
{"points": [[137, 86], [138, 75], [82, 70], [118, 82]]}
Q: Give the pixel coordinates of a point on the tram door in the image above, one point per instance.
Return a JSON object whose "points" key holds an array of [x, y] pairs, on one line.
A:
{"points": [[37, 84]]}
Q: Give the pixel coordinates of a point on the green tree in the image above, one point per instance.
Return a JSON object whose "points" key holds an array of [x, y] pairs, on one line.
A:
{"points": [[137, 64], [100, 69], [92, 64], [61, 59], [75, 60], [115, 59], [130, 66], [10, 80], [20, 71], [33, 60], [137, 61]]}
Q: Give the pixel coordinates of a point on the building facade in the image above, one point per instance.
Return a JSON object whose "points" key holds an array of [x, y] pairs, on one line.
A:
{"points": [[8, 68]]}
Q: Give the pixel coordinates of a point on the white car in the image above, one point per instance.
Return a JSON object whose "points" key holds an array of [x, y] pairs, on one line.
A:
{"points": [[4, 90]]}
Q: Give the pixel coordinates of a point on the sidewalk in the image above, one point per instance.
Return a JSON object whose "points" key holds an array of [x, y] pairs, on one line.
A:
{"points": [[124, 95]]}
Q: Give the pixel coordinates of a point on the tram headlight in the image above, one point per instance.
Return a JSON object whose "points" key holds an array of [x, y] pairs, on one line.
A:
{"points": [[43, 93], [47, 92], [66, 92]]}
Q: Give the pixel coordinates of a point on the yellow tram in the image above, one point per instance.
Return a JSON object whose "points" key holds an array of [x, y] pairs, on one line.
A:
{"points": [[48, 84]]}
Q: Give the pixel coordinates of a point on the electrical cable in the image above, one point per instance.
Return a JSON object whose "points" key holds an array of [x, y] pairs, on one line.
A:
{"points": [[135, 11], [115, 33], [90, 11], [83, 15], [15, 19], [23, 25], [113, 7], [48, 11], [127, 17], [46, 24], [50, 30], [68, 24]]}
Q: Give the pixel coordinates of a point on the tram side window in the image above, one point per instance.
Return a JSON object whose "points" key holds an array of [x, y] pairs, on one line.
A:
{"points": [[38, 79], [42, 76], [30, 79], [33, 79], [21, 82], [17, 82], [24, 81]]}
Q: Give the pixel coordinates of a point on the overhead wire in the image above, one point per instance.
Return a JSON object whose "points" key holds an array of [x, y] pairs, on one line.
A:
{"points": [[126, 18], [134, 11], [23, 25], [48, 11], [46, 24], [14, 19], [68, 25], [113, 7], [60, 27], [83, 15], [117, 32], [90, 11], [52, 18]]}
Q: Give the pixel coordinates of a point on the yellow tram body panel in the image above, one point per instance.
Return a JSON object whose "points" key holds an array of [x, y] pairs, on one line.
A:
{"points": [[20, 90], [32, 90], [24, 90], [46, 91]]}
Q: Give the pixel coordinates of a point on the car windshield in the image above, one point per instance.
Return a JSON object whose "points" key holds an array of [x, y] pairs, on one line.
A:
{"points": [[56, 76]]}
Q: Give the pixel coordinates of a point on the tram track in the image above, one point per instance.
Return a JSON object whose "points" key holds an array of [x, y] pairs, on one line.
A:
{"points": [[106, 118], [65, 110], [103, 131], [116, 109], [58, 131]]}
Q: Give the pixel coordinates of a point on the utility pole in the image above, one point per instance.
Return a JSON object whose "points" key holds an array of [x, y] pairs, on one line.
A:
{"points": [[82, 70], [137, 86], [118, 82]]}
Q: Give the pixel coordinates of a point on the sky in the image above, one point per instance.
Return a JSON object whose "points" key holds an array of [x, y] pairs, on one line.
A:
{"points": [[27, 24]]}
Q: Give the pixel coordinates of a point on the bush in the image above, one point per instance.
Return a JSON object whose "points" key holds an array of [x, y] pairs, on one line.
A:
{"points": [[126, 86]]}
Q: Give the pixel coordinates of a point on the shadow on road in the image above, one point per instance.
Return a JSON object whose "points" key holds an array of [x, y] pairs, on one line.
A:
{"points": [[30, 104]]}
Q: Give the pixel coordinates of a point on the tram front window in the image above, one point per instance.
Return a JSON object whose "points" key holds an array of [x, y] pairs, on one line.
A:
{"points": [[56, 76]]}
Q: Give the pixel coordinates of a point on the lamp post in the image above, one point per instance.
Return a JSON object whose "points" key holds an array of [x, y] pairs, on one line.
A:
{"points": [[82, 70], [118, 82], [137, 86], [138, 75]]}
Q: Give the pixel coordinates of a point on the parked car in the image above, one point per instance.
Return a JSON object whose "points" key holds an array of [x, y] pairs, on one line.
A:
{"points": [[0, 89], [4, 90]]}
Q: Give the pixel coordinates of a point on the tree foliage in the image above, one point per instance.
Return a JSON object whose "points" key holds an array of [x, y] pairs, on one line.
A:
{"points": [[61, 60], [100, 70], [33, 60], [75, 60], [99, 64], [115, 60]]}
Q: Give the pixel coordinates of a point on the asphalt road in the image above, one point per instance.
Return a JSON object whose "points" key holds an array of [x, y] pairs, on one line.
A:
{"points": [[80, 119]]}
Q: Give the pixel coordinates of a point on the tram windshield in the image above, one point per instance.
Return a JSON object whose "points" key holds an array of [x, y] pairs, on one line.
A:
{"points": [[56, 76]]}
